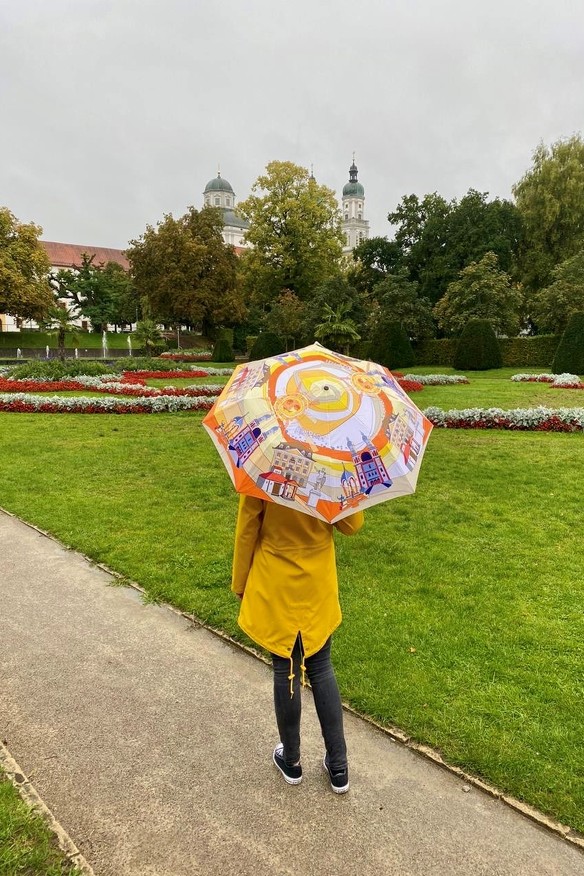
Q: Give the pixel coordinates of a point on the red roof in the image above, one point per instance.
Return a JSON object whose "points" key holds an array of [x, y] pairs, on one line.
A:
{"points": [[278, 478], [69, 255]]}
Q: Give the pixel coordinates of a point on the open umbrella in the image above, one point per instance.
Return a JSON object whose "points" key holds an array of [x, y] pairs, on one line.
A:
{"points": [[319, 432]]}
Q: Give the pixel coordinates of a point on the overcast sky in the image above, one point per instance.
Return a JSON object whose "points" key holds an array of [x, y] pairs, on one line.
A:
{"points": [[114, 112]]}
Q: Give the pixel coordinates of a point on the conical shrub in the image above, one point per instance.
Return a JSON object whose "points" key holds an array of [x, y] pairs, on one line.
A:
{"points": [[390, 346], [266, 344], [222, 351], [478, 348], [569, 356]]}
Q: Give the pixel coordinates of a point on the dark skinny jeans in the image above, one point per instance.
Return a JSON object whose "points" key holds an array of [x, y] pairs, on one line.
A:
{"points": [[327, 700]]}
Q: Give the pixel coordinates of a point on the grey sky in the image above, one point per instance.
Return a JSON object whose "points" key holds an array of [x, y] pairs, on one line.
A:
{"points": [[114, 112]]}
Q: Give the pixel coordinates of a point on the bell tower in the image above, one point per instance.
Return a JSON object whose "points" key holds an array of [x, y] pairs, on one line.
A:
{"points": [[355, 226]]}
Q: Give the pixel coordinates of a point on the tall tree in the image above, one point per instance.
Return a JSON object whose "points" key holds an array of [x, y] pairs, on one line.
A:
{"points": [[336, 292], [186, 272], [439, 238], [24, 269], [484, 292], [554, 306], [550, 199], [60, 321], [88, 288], [337, 330], [295, 233], [285, 317], [373, 260], [396, 299]]}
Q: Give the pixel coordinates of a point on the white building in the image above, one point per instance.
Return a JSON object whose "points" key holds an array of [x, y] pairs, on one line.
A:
{"points": [[218, 193], [355, 226]]}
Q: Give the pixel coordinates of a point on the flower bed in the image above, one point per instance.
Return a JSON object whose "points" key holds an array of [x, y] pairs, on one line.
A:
{"points": [[437, 379], [409, 385], [183, 356], [529, 419], [109, 385], [39, 404], [559, 381], [177, 374]]}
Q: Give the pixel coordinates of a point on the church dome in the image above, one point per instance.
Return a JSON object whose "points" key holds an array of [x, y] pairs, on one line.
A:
{"points": [[218, 185], [353, 189]]}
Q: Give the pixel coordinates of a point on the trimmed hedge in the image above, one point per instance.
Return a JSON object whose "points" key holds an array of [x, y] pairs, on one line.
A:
{"points": [[570, 353], [390, 346], [222, 351], [532, 352], [478, 348]]}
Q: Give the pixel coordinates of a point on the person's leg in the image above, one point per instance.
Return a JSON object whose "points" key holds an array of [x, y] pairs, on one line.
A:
{"points": [[288, 707], [327, 700]]}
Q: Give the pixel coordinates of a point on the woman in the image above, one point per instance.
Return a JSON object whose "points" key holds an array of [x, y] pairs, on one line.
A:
{"points": [[284, 571]]}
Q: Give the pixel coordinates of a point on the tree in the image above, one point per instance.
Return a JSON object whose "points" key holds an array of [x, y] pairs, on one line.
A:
{"points": [[554, 305], [550, 199], [373, 260], [478, 348], [440, 238], [337, 330], [481, 292], [102, 293], [295, 233], [60, 321], [398, 301], [186, 272], [285, 317], [335, 292], [24, 269], [569, 356], [147, 337]]}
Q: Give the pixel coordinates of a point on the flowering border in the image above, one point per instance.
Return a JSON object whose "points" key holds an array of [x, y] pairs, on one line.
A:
{"points": [[520, 419], [558, 381], [437, 379], [23, 403], [108, 385]]}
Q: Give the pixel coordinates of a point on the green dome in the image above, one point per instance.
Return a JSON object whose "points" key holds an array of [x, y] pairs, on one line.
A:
{"points": [[353, 189], [218, 185]]}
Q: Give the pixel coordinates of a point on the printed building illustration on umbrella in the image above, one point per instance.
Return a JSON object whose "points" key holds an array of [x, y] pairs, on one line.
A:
{"points": [[290, 470]]}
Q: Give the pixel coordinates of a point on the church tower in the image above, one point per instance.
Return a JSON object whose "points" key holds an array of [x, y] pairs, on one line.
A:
{"points": [[218, 193], [355, 226]]}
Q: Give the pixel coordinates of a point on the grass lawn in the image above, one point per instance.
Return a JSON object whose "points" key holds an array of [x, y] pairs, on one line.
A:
{"points": [[26, 845], [462, 604]]}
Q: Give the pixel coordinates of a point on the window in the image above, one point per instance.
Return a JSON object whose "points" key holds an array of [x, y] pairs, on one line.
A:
{"points": [[359, 216], [217, 200], [346, 217], [228, 201]]}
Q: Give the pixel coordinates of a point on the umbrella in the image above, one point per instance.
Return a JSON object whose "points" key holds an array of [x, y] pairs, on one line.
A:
{"points": [[317, 431]]}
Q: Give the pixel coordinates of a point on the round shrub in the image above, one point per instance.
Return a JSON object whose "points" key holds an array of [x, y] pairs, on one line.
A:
{"points": [[478, 348], [570, 353], [266, 344], [222, 351], [390, 346]]}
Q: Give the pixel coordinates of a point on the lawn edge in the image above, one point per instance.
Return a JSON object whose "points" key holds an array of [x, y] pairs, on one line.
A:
{"points": [[34, 801], [395, 733]]}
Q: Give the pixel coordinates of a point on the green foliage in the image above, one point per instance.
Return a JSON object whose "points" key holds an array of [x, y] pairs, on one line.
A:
{"points": [[186, 272], [337, 330], [51, 369], [373, 260], [439, 238], [550, 199], [570, 353], [481, 292], [222, 351], [60, 322], [529, 352], [103, 293], [285, 318], [266, 344], [295, 232], [24, 269], [478, 348], [390, 346], [397, 300], [334, 293], [554, 305], [147, 337], [38, 340]]}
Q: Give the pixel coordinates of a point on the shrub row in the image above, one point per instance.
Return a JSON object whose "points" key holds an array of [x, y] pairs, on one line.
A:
{"points": [[537, 351]]}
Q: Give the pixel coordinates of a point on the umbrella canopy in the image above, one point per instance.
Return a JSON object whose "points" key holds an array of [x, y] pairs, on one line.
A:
{"points": [[319, 432]]}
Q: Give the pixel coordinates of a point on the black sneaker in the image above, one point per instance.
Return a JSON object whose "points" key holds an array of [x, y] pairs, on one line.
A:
{"points": [[292, 774], [339, 780]]}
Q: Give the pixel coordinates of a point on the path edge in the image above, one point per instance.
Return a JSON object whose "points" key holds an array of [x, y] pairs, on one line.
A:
{"points": [[34, 801], [563, 831]]}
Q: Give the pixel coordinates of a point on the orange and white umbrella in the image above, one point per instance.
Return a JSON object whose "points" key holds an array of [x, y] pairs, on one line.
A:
{"points": [[319, 432]]}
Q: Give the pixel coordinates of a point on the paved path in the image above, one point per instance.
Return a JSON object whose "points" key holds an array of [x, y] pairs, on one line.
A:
{"points": [[151, 740]]}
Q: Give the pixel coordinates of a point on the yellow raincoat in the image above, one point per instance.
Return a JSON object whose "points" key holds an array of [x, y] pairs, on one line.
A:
{"points": [[284, 565]]}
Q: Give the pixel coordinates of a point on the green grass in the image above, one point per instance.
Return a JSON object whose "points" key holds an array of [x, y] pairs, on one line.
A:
{"points": [[26, 845], [480, 572]]}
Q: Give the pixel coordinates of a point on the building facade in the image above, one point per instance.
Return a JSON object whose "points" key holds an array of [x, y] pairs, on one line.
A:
{"points": [[355, 226]]}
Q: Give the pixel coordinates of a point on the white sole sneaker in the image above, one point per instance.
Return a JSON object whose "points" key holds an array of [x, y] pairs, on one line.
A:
{"points": [[342, 789], [291, 780]]}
